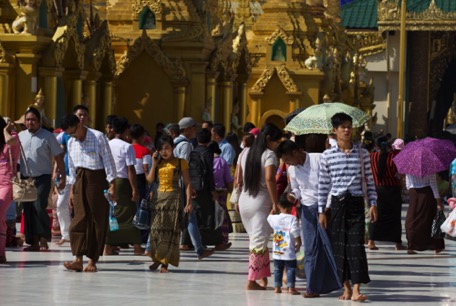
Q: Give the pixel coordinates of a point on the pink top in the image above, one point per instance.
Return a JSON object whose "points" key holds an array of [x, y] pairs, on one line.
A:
{"points": [[5, 168]]}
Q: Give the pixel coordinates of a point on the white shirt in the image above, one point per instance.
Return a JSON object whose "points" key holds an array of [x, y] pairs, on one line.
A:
{"points": [[286, 230], [304, 179], [124, 156], [416, 182]]}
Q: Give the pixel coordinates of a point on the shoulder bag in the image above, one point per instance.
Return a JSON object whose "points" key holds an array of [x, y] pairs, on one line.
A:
{"points": [[24, 190]]}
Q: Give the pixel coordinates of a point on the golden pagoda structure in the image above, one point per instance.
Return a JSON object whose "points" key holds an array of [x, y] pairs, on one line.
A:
{"points": [[159, 60]]}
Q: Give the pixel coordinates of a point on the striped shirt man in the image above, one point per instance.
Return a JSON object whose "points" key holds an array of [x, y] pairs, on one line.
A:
{"points": [[341, 173]]}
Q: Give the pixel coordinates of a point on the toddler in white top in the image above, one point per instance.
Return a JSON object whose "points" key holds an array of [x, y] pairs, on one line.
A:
{"points": [[287, 242]]}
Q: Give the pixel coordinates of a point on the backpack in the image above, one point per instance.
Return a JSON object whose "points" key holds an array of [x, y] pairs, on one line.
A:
{"points": [[197, 170]]}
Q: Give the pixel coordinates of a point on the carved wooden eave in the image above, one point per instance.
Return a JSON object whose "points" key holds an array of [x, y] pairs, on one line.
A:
{"points": [[369, 43], [55, 54], [431, 19], [174, 69], [154, 5], [5, 58], [98, 50], [284, 76], [279, 32]]}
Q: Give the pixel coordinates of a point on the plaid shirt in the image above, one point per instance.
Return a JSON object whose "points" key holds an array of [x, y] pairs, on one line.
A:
{"points": [[93, 153]]}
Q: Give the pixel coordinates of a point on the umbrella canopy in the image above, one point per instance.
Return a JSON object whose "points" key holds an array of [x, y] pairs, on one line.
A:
{"points": [[293, 114], [316, 119], [425, 156]]}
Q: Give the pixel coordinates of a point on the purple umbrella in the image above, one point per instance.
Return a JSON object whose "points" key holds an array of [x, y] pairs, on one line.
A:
{"points": [[425, 156]]}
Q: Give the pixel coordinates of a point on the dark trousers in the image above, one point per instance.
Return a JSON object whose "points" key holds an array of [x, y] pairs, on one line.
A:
{"points": [[89, 226], [36, 218]]}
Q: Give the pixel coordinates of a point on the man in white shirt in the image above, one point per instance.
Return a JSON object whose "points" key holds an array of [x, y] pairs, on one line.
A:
{"points": [[91, 168], [127, 191]]}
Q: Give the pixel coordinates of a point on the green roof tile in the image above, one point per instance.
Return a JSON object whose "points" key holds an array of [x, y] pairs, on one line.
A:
{"points": [[359, 14]]}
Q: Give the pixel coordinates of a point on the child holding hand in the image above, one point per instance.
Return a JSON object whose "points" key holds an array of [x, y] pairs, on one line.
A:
{"points": [[287, 242]]}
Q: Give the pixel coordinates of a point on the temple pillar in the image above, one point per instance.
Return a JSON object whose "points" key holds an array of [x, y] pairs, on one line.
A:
{"points": [[255, 108], [107, 95], [91, 94], [242, 90], [6, 108], [26, 80], [51, 107], [180, 93], [211, 93], [227, 103], [74, 80], [197, 92]]}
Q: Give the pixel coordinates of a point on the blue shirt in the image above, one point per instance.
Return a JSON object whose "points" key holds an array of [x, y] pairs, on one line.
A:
{"points": [[65, 138], [228, 153]]}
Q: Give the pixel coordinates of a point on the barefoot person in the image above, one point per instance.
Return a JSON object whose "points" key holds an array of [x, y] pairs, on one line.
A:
{"points": [[286, 243], [167, 211], [91, 167], [340, 176], [257, 169]]}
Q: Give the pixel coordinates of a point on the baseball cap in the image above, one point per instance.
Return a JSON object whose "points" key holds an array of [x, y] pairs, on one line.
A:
{"points": [[186, 122]]}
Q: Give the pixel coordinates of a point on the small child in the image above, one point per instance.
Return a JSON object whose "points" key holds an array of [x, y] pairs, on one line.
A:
{"points": [[287, 242]]}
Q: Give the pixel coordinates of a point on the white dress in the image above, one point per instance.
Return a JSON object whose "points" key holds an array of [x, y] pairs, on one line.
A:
{"points": [[255, 210]]}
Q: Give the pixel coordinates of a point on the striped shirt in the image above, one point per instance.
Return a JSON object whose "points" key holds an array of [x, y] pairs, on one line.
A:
{"points": [[417, 182], [390, 176], [93, 153], [341, 173]]}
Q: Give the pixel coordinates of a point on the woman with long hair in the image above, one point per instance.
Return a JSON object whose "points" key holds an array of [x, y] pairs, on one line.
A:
{"points": [[9, 154], [258, 167], [167, 214], [388, 226]]}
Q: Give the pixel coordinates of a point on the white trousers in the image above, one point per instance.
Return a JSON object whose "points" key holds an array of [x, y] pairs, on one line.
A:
{"points": [[63, 212]]}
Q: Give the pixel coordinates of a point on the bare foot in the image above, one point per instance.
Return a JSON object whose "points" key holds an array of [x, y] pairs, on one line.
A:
{"points": [[310, 295], [264, 282], [44, 245], [293, 291], [2, 259], [358, 298], [32, 248], [91, 267], [164, 269], [154, 266], [411, 252], [62, 242], [251, 285], [438, 251], [277, 290], [400, 247], [346, 296], [109, 250], [73, 266]]}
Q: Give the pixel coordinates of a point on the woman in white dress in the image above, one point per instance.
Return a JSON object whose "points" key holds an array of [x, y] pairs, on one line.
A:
{"points": [[258, 166]]}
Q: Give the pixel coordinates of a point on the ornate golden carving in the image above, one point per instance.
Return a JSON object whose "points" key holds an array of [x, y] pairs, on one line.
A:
{"points": [[174, 70], [2, 54], [102, 49], [287, 39], [368, 43], [431, 19], [154, 5], [268, 73]]}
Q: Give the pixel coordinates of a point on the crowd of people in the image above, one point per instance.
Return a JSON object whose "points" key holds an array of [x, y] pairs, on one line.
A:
{"points": [[313, 194]]}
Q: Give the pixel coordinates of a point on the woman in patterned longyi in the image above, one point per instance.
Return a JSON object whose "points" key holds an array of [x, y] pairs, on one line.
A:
{"points": [[167, 209]]}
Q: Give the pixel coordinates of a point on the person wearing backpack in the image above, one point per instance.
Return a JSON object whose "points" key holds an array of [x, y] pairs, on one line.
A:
{"points": [[182, 149], [201, 164]]}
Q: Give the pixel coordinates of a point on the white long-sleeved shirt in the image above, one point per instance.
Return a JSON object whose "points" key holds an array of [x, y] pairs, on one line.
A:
{"points": [[304, 179]]}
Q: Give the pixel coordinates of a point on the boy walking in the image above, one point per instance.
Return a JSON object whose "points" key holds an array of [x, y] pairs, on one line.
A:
{"points": [[287, 242]]}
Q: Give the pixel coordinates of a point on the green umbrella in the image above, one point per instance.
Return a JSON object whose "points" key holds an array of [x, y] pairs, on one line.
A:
{"points": [[316, 119]]}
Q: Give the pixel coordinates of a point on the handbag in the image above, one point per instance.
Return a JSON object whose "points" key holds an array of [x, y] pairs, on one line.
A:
{"points": [[24, 190], [142, 217], [219, 215], [436, 231], [236, 193]]}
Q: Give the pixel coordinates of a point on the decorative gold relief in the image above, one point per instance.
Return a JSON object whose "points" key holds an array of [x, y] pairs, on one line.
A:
{"points": [[268, 73], [175, 70], [287, 39], [154, 5]]}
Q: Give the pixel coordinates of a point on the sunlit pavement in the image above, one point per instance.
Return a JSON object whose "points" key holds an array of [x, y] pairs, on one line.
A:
{"points": [[40, 279]]}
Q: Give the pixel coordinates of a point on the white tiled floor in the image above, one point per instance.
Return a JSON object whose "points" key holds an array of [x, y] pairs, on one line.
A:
{"points": [[40, 279]]}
